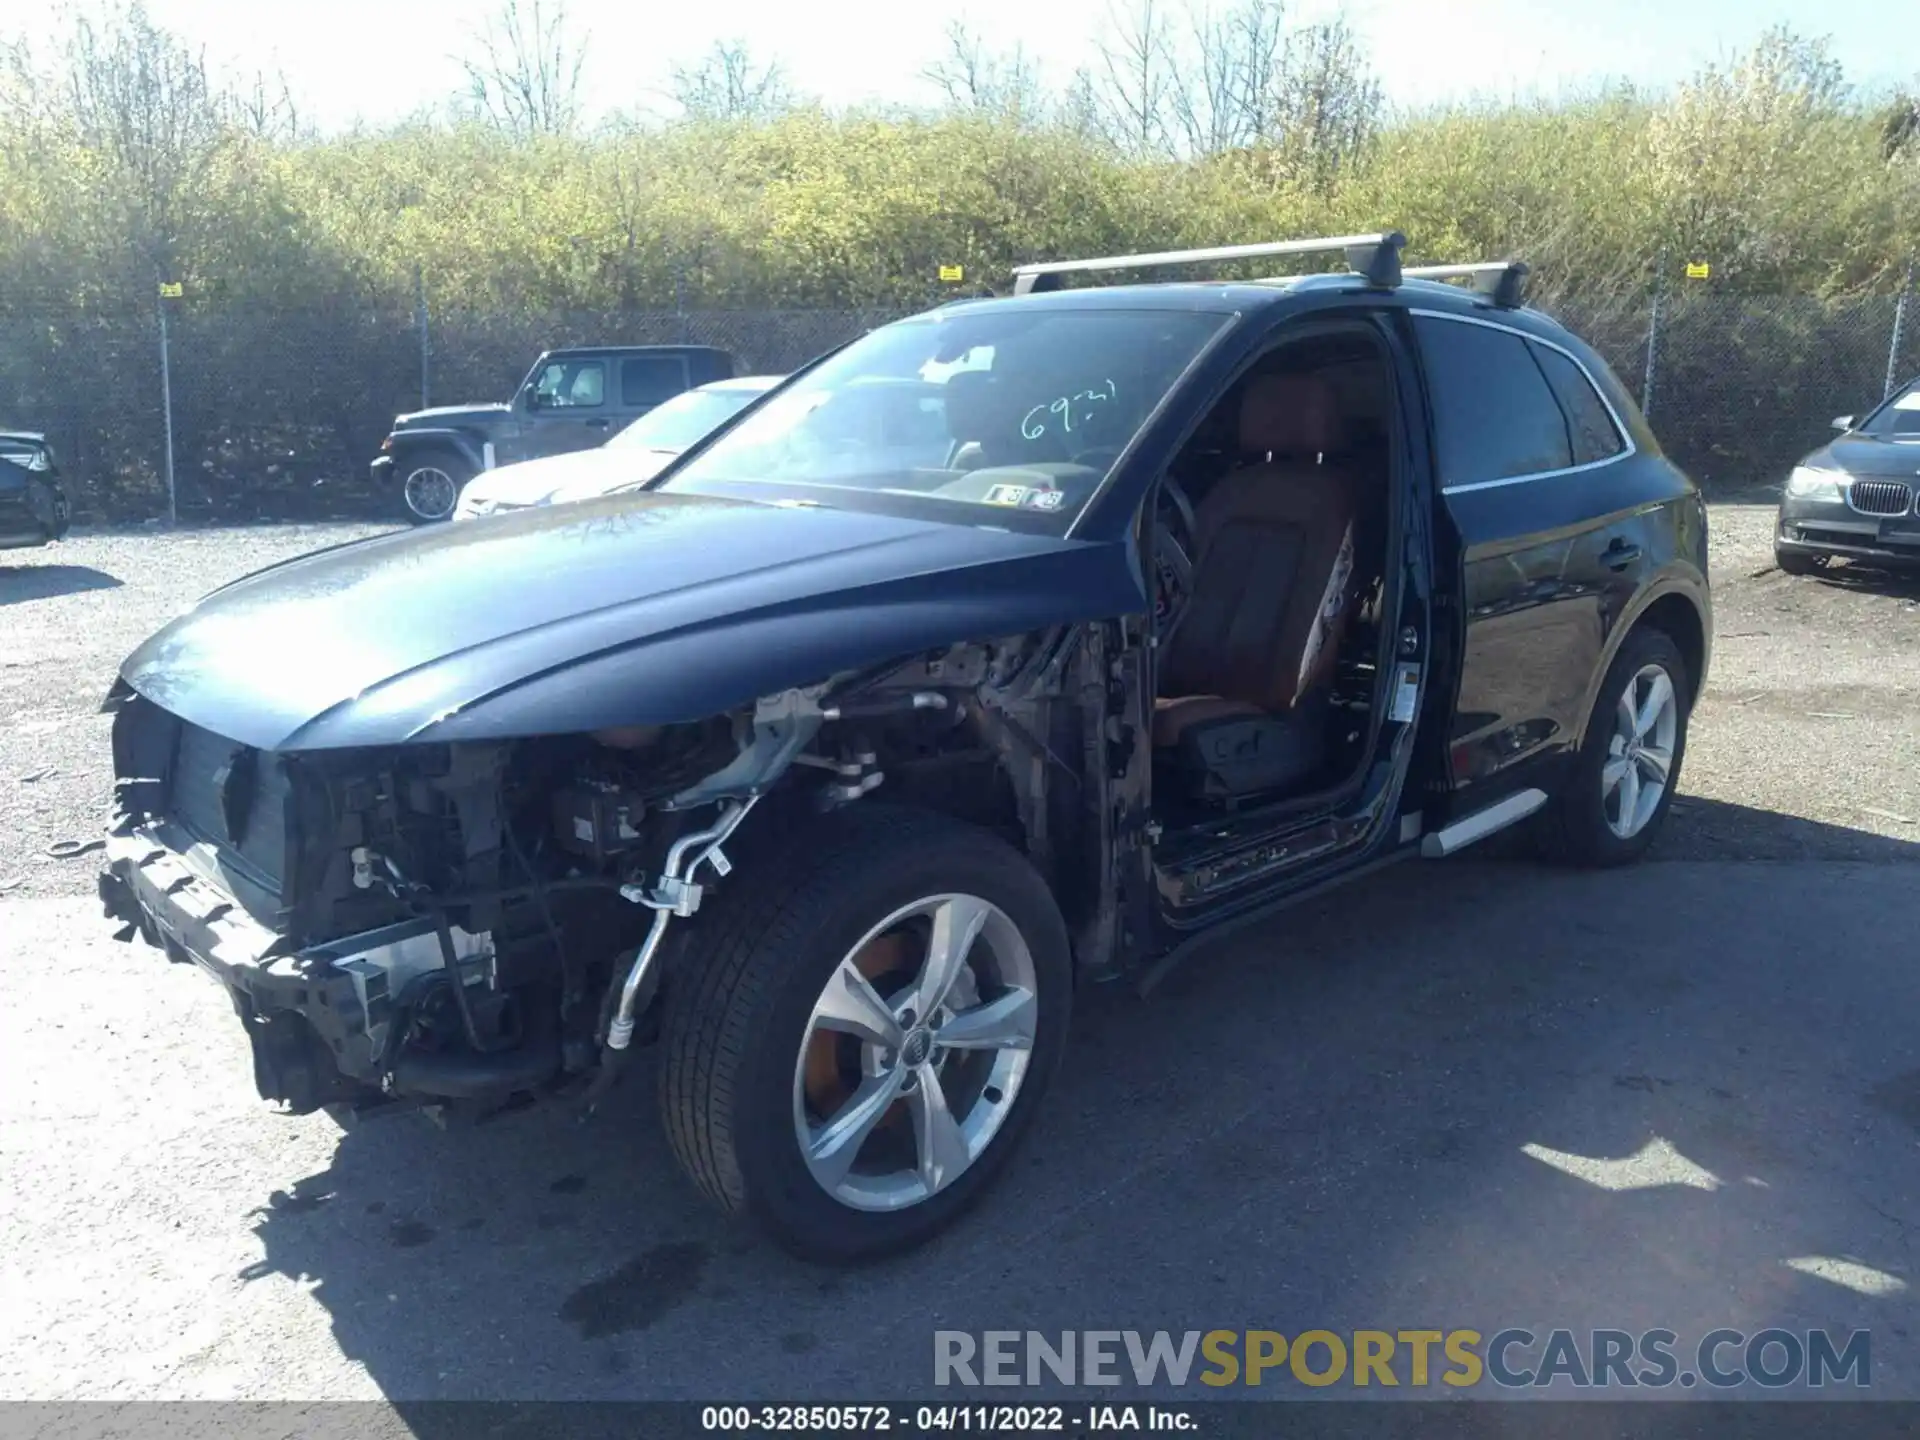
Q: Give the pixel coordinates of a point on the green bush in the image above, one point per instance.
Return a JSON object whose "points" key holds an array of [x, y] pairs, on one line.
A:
{"points": [[303, 258]]}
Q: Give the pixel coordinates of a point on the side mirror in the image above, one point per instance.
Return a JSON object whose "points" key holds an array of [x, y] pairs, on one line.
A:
{"points": [[1843, 423]]}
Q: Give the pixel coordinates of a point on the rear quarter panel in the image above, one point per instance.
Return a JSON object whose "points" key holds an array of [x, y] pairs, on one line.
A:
{"points": [[1553, 572]]}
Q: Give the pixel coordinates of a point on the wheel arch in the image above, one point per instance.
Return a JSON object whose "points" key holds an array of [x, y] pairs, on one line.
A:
{"points": [[1677, 615], [409, 445], [1012, 742], [1674, 605]]}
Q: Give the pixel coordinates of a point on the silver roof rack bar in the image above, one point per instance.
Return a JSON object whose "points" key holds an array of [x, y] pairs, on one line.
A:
{"points": [[1377, 257], [1504, 282]]}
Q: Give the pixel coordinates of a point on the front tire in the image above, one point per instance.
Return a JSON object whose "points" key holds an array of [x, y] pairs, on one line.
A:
{"points": [[867, 1034], [430, 484], [1621, 783]]}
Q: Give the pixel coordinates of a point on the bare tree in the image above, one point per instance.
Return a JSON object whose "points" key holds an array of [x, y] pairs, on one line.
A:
{"points": [[524, 75], [141, 100], [1130, 87], [1080, 111], [1223, 88], [264, 107], [729, 84], [975, 78]]}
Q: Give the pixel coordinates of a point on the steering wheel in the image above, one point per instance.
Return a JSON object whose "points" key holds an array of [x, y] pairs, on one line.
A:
{"points": [[1174, 547]]}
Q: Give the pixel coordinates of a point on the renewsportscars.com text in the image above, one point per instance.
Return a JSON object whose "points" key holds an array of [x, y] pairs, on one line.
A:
{"points": [[1511, 1359]]}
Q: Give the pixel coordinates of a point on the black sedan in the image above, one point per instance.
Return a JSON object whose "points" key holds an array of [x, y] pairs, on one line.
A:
{"points": [[1855, 496], [33, 506]]}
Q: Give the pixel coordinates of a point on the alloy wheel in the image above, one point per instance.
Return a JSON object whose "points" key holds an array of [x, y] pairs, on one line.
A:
{"points": [[1639, 763], [915, 1052], [431, 492]]}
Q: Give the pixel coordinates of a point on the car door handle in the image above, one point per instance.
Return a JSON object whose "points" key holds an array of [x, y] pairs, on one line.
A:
{"points": [[596, 424], [1620, 555]]}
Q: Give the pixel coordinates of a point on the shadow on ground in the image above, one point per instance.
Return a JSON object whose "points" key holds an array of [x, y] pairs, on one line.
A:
{"points": [[1699, 829], [1467, 1094], [20, 583], [1897, 582]]}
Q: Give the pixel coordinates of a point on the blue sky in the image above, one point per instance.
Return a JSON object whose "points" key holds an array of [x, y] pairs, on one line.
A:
{"points": [[376, 60]]}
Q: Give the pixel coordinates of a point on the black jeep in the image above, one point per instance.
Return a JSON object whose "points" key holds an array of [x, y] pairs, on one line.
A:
{"points": [[838, 775], [570, 400]]}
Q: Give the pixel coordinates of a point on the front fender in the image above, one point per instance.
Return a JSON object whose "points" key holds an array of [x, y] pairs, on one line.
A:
{"points": [[470, 446]]}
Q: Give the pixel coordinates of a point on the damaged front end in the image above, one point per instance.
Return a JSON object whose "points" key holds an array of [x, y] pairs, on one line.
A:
{"points": [[467, 925]]}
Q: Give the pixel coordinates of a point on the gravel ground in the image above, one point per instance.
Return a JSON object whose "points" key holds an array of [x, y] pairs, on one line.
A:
{"points": [[69, 614], [1815, 686], [1803, 744]]}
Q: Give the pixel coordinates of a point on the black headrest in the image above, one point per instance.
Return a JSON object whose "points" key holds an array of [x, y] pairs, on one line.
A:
{"points": [[969, 404]]}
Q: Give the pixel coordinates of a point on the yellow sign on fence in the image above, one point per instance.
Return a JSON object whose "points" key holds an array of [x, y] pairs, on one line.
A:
{"points": [[953, 274], [171, 290], [1698, 270]]}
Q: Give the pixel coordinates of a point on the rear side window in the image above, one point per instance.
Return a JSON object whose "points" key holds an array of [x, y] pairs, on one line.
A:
{"points": [[1595, 437], [649, 379], [1494, 415]]}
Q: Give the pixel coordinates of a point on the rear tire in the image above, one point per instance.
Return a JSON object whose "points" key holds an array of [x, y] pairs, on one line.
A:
{"points": [[1794, 562], [754, 1079], [1606, 812], [429, 484]]}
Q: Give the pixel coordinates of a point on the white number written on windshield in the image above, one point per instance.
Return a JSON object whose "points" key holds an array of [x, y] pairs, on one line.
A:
{"points": [[1070, 412]]}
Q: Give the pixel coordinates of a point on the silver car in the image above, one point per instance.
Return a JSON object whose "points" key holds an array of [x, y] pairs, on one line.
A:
{"points": [[636, 454]]}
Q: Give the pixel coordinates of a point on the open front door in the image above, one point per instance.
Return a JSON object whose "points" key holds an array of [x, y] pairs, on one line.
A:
{"points": [[1291, 687]]}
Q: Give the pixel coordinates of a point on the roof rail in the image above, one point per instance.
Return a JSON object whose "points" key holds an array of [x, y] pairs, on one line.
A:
{"points": [[1377, 257], [1504, 282]]}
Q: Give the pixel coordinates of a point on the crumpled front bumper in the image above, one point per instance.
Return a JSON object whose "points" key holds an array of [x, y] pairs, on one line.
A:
{"points": [[323, 1019]]}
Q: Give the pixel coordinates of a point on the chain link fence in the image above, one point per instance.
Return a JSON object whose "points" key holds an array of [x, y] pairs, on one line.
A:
{"points": [[276, 412], [1742, 388]]}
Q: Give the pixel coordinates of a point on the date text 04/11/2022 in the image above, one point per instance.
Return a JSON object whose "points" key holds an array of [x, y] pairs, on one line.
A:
{"points": [[942, 1419]]}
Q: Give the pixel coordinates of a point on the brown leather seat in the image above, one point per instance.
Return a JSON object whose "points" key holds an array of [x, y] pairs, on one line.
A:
{"points": [[1273, 585]]}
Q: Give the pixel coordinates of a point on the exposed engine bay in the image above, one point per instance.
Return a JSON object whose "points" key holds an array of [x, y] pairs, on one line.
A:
{"points": [[467, 926]]}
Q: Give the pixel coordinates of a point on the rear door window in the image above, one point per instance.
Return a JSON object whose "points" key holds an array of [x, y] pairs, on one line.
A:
{"points": [[646, 380], [1589, 424], [1494, 416]]}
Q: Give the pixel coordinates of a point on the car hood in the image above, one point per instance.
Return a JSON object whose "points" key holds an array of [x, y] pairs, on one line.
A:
{"points": [[1868, 455], [640, 609], [449, 415], [577, 475]]}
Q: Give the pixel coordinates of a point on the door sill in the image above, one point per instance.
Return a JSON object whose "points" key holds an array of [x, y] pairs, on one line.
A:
{"points": [[1253, 914], [1470, 829]]}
